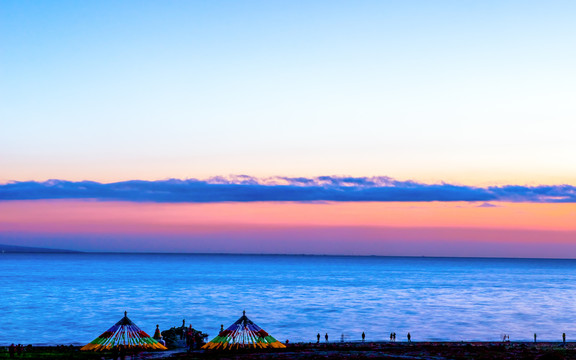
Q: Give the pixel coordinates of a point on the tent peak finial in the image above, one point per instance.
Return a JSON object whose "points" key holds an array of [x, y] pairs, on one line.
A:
{"points": [[125, 313], [244, 312]]}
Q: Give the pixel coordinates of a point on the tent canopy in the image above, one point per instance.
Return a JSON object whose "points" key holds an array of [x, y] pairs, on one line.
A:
{"points": [[124, 333], [243, 334]]}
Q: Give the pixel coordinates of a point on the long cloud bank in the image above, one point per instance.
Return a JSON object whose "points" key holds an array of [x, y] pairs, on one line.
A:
{"points": [[247, 189]]}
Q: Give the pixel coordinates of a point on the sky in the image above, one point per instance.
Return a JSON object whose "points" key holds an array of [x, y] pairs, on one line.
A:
{"points": [[160, 111]]}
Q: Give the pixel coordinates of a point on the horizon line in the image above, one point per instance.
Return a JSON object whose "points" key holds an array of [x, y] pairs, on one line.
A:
{"points": [[84, 252]]}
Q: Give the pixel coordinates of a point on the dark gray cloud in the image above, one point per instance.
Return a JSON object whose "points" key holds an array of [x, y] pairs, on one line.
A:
{"points": [[244, 188]]}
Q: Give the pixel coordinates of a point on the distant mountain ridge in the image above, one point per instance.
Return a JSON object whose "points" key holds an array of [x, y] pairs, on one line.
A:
{"points": [[28, 249]]}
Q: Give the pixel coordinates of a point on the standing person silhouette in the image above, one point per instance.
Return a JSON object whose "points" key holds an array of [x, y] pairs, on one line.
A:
{"points": [[363, 336], [534, 337], [318, 338], [564, 338], [409, 337], [326, 337]]}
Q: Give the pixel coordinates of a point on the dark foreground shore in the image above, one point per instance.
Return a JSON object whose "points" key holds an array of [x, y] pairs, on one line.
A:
{"points": [[368, 350]]}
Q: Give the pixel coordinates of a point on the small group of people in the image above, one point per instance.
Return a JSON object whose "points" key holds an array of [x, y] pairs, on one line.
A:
{"points": [[119, 352], [14, 350], [19, 350], [392, 337], [318, 338], [194, 339], [506, 338]]}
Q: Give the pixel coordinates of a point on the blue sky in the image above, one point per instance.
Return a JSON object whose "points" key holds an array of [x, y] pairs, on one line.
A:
{"points": [[461, 91], [466, 107]]}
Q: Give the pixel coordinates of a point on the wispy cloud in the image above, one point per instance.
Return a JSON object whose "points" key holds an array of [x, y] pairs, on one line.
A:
{"points": [[487, 205], [244, 188]]}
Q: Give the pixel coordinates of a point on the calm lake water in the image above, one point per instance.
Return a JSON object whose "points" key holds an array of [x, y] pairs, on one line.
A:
{"points": [[72, 298]]}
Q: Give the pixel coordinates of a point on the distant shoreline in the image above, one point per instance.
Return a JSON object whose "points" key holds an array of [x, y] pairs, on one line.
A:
{"points": [[14, 249]]}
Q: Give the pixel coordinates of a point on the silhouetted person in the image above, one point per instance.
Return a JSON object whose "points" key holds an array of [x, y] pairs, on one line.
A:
{"points": [[189, 335], [318, 338], [394, 337], [191, 342], [534, 337], [390, 337], [11, 350], [564, 338], [409, 337], [326, 337], [363, 336]]}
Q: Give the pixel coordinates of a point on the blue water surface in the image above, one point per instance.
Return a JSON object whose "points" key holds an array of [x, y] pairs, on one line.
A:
{"points": [[72, 298]]}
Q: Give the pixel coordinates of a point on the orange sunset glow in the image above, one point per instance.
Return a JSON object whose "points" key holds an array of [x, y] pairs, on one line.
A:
{"points": [[125, 216]]}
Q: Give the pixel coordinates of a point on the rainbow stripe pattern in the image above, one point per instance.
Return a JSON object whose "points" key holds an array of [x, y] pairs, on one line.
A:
{"points": [[124, 333], [243, 334]]}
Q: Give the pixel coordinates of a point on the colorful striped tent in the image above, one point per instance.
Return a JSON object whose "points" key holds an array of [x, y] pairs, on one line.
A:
{"points": [[125, 333], [243, 334]]}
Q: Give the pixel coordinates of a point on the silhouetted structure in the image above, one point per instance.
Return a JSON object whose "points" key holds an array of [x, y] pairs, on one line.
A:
{"points": [[243, 334], [125, 334]]}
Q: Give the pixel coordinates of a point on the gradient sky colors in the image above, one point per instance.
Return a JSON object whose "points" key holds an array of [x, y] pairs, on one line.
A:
{"points": [[418, 229], [473, 94]]}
